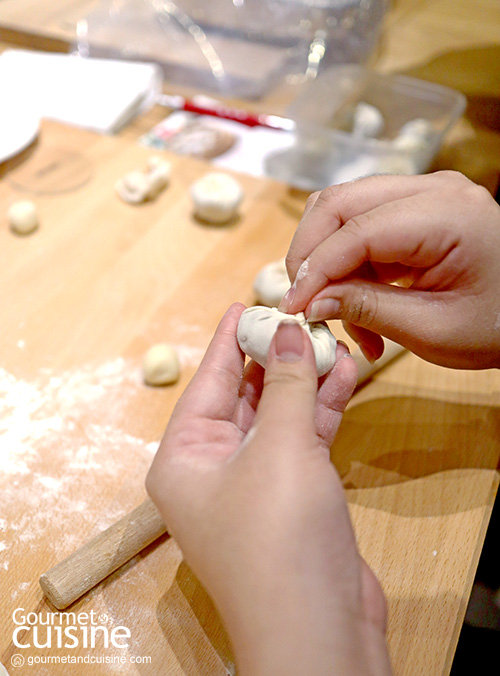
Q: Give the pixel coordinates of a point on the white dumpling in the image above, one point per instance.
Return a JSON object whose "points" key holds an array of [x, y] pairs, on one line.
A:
{"points": [[133, 187], [271, 283], [258, 325], [216, 197]]}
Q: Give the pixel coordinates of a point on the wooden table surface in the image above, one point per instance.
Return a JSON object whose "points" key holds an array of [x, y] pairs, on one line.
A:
{"points": [[85, 296]]}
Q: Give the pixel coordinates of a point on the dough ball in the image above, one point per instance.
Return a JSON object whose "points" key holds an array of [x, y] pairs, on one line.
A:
{"points": [[415, 135], [160, 365], [216, 197], [23, 217], [368, 121], [258, 325], [271, 283], [410, 144], [418, 127]]}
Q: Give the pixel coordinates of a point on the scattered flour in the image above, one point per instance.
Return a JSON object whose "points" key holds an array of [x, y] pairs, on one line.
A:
{"points": [[62, 438]]}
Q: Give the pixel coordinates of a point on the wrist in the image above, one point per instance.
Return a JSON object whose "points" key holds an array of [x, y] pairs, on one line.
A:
{"points": [[295, 639], [337, 649]]}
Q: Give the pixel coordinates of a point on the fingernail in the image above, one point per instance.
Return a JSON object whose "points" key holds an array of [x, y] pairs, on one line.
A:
{"points": [[287, 299], [289, 345], [326, 308]]}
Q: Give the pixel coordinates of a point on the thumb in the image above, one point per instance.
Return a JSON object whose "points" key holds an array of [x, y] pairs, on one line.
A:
{"points": [[287, 404], [408, 316]]}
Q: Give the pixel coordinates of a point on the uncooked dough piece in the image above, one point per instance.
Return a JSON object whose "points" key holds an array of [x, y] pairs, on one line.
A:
{"points": [[216, 197], [368, 121], [415, 135], [140, 186], [23, 217], [258, 325], [3, 671], [271, 283], [418, 127], [161, 365], [133, 187]]}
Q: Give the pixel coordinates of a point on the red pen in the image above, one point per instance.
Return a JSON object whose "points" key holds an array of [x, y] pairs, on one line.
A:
{"points": [[204, 105]]}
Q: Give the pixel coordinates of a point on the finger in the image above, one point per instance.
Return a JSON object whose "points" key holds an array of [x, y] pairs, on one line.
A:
{"points": [[403, 231], [328, 210], [334, 393], [213, 391], [407, 316], [370, 343], [287, 406], [249, 396]]}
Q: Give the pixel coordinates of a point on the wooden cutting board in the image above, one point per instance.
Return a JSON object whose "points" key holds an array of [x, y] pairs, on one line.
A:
{"points": [[82, 299]]}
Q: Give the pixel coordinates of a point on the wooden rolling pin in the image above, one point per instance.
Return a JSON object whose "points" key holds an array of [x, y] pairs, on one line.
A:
{"points": [[93, 562]]}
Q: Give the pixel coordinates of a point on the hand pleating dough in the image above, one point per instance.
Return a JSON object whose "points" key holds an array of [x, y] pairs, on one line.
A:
{"points": [[258, 325]]}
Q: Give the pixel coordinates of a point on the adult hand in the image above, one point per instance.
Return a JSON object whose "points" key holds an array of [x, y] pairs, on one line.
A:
{"points": [[437, 235], [245, 484]]}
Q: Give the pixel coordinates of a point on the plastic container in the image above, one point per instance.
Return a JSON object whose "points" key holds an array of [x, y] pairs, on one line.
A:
{"points": [[416, 115], [235, 47]]}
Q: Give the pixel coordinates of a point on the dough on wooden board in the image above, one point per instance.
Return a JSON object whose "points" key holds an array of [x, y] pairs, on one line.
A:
{"points": [[23, 217], [258, 325], [271, 283], [160, 365], [140, 186], [216, 197]]}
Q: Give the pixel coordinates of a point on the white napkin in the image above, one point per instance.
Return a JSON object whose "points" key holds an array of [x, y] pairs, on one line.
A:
{"points": [[99, 94]]}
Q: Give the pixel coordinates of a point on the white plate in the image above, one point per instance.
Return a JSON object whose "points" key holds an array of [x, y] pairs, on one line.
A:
{"points": [[18, 128]]}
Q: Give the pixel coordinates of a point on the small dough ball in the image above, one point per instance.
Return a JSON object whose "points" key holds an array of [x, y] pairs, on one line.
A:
{"points": [[23, 217], [271, 283], [216, 197], [160, 365], [418, 127], [409, 143], [258, 325], [368, 121], [415, 135]]}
